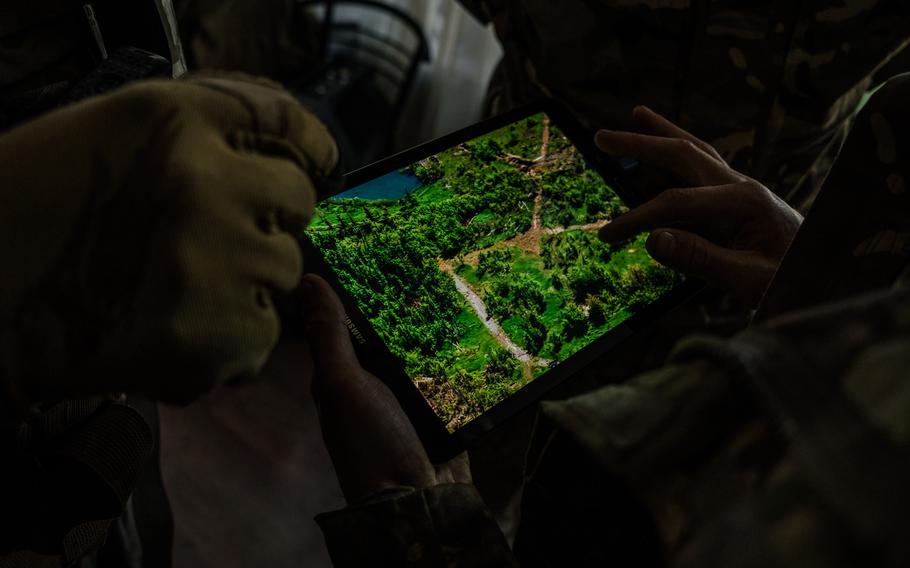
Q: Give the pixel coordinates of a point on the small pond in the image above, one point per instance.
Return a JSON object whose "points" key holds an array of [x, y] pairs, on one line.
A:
{"points": [[388, 187]]}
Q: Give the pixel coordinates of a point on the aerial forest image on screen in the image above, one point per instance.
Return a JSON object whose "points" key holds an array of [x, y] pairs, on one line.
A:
{"points": [[480, 267]]}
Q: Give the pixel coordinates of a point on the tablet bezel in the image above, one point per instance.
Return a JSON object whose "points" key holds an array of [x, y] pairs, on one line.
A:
{"points": [[375, 356]]}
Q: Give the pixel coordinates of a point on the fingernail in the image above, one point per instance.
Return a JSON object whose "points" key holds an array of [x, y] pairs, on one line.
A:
{"points": [[666, 243]]}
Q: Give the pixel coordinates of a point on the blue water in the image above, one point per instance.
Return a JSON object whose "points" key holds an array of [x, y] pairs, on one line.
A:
{"points": [[388, 187]]}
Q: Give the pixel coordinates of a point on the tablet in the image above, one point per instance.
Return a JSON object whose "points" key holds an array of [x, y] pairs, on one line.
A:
{"points": [[472, 274]]}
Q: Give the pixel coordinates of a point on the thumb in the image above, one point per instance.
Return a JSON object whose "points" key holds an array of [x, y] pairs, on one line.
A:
{"points": [[326, 330], [696, 256]]}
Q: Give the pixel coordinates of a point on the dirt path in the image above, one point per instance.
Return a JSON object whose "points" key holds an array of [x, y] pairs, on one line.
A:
{"points": [[544, 140], [528, 361], [481, 310], [538, 204], [529, 242], [588, 227]]}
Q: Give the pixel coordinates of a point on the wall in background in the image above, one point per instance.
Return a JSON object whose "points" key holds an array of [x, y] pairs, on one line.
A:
{"points": [[450, 91]]}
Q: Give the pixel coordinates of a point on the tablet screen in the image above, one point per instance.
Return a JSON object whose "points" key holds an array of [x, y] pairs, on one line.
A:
{"points": [[480, 267]]}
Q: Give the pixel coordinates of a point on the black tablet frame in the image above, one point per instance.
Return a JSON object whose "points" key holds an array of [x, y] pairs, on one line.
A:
{"points": [[439, 443]]}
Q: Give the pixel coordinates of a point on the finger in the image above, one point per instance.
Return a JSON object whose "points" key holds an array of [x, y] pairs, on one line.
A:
{"points": [[657, 125], [371, 441], [734, 271], [251, 207], [282, 261], [254, 99], [270, 262], [280, 195], [700, 206], [272, 122], [218, 232], [326, 330], [678, 155], [306, 132]]}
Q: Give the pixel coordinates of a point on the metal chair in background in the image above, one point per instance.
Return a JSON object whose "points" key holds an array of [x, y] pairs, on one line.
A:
{"points": [[371, 54]]}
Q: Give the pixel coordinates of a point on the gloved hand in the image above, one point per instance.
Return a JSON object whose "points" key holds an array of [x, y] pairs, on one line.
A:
{"points": [[143, 233]]}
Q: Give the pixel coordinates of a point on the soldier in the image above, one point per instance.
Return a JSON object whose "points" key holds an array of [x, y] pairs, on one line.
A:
{"points": [[786, 445], [772, 85], [143, 235]]}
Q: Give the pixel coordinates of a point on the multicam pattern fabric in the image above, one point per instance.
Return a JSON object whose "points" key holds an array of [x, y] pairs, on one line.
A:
{"points": [[786, 445], [858, 235], [773, 85], [444, 526]]}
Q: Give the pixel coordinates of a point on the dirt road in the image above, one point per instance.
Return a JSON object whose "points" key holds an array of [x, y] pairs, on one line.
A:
{"points": [[491, 324]]}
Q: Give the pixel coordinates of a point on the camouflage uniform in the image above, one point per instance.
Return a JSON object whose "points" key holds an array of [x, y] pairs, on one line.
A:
{"points": [[786, 445], [773, 85], [80, 473], [70, 470]]}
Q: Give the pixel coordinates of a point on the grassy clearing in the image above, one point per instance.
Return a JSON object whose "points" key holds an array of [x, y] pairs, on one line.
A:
{"points": [[474, 344]]}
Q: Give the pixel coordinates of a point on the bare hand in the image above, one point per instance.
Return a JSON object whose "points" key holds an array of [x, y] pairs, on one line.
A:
{"points": [[721, 226], [372, 443]]}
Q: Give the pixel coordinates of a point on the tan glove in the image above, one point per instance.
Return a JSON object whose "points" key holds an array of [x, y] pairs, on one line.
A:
{"points": [[143, 233]]}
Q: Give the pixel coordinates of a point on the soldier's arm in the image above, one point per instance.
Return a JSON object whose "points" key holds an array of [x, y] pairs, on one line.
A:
{"points": [[403, 510], [443, 525], [705, 454]]}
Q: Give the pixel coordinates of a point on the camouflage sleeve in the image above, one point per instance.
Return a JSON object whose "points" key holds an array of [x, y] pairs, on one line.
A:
{"points": [[856, 237], [788, 441], [445, 525]]}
